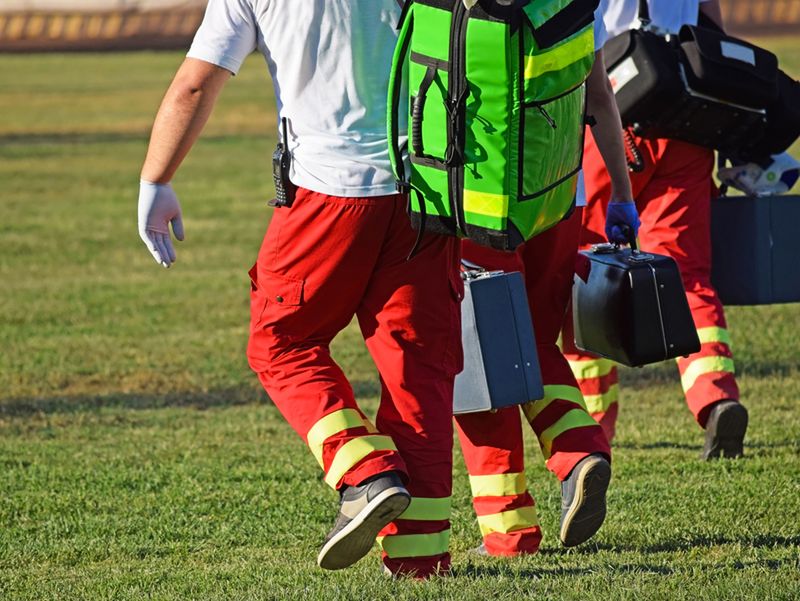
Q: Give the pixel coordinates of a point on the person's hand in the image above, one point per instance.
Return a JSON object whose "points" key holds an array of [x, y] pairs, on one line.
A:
{"points": [[158, 207], [619, 215]]}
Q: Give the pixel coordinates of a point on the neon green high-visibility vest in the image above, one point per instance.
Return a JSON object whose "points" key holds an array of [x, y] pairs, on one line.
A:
{"points": [[496, 114]]}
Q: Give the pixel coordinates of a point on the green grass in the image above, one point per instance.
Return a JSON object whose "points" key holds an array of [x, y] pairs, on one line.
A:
{"points": [[140, 459]]}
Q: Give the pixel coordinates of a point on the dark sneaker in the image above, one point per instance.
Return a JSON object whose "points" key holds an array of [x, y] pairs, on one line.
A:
{"points": [[583, 500], [725, 430], [363, 511]]}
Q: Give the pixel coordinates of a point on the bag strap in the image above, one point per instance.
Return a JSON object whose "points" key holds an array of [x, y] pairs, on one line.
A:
{"points": [[644, 13], [403, 185], [393, 106]]}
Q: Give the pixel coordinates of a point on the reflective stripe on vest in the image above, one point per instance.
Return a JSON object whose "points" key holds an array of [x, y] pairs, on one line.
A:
{"points": [[484, 203], [562, 56]]}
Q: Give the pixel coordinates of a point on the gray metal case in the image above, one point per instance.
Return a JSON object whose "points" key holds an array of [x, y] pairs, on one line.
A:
{"points": [[501, 365]]}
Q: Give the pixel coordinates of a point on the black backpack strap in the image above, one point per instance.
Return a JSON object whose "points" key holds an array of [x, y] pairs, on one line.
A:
{"points": [[395, 88]]}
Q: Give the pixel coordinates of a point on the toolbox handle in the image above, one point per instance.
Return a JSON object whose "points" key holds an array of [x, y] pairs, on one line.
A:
{"points": [[628, 233], [636, 256]]}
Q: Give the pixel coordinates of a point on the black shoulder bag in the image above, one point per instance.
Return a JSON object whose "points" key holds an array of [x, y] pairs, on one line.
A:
{"points": [[704, 87]]}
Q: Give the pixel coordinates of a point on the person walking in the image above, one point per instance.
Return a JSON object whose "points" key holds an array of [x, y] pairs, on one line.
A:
{"points": [[336, 249], [573, 444], [673, 193]]}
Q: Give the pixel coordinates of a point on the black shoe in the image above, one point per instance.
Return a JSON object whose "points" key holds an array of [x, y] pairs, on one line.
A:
{"points": [[363, 511], [583, 500], [725, 428]]}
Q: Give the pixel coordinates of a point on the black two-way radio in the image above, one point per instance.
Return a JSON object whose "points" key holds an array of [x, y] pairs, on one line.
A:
{"points": [[281, 161]]}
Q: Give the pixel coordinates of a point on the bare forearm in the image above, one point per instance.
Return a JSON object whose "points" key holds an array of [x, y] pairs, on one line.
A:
{"points": [[183, 114], [607, 130]]}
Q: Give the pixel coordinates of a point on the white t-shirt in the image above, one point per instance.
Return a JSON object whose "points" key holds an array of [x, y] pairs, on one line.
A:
{"points": [[330, 62], [665, 15]]}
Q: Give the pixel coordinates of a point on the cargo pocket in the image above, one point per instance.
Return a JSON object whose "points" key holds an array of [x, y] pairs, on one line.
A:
{"points": [[282, 292], [270, 291], [274, 300]]}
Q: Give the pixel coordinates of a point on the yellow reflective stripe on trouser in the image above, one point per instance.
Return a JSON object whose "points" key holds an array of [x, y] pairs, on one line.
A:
{"points": [[422, 508], [599, 403], [572, 419], [714, 334], [508, 521], [552, 392], [415, 545], [498, 485], [331, 424], [591, 368], [485, 203], [705, 365], [354, 451], [562, 56]]}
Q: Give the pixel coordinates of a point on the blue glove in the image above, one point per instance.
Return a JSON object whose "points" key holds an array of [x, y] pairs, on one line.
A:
{"points": [[619, 215]]}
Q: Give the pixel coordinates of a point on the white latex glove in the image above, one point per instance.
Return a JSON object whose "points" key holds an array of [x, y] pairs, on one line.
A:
{"points": [[158, 207]]}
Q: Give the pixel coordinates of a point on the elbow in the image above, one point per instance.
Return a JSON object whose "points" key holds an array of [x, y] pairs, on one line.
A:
{"points": [[187, 92]]}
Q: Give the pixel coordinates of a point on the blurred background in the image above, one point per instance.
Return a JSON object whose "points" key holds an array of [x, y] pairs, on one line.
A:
{"points": [[139, 457], [37, 25]]}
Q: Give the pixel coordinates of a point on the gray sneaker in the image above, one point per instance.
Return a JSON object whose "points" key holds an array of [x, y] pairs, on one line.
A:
{"points": [[363, 511], [583, 500], [725, 429]]}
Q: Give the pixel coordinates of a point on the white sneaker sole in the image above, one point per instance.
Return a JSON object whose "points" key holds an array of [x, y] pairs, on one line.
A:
{"points": [[588, 509], [355, 540]]}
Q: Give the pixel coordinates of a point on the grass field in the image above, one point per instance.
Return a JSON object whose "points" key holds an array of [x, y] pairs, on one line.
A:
{"points": [[139, 458]]}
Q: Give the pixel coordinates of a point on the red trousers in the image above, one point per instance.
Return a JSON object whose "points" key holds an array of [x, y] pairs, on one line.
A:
{"points": [[673, 195], [323, 261], [492, 442]]}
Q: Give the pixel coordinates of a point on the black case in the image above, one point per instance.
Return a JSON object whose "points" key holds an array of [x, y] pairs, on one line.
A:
{"points": [[655, 98], [632, 307], [783, 123], [721, 66], [501, 365], [755, 254]]}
